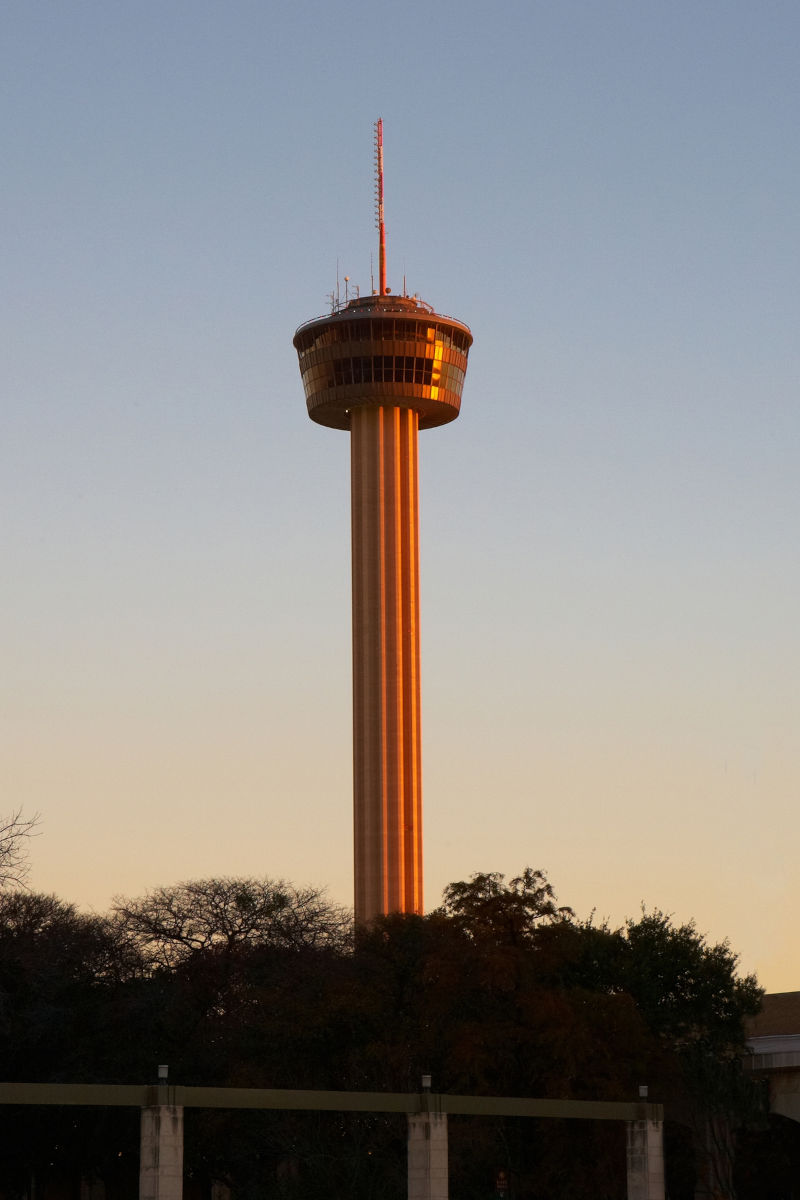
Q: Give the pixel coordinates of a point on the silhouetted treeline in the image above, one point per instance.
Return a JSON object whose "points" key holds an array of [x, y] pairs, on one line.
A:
{"points": [[255, 983]]}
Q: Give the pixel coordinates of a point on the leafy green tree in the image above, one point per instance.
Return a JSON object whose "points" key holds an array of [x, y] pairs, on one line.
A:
{"points": [[669, 1008], [687, 990], [484, 906]]}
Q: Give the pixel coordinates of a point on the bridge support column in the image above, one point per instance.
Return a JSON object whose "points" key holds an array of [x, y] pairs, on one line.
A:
{"points": [[161, 1153], [645, 1160], [427, 1156]]}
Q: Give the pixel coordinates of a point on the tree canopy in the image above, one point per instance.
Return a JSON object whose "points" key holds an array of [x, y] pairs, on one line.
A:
{"points": [[255, 982], [509, 913], [170, 924]]}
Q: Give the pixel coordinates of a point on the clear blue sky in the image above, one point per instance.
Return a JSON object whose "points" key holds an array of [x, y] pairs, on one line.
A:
{"points": [[608, 194]]}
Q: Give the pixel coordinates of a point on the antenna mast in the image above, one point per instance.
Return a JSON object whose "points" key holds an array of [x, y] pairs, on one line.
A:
{"points": [[379, 203]]}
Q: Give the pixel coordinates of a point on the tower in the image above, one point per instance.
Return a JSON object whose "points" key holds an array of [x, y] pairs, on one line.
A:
{"points": [[384, 367]]}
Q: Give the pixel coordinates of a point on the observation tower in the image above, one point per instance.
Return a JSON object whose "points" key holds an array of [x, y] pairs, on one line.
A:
{"points": [[384, 367]]}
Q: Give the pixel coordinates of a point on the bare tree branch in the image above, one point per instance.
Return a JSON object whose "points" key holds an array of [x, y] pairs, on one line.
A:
{"points": [[15, 830]]}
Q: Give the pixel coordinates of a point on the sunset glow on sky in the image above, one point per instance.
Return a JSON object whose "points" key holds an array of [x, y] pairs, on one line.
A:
{"points": [[608, 195]]}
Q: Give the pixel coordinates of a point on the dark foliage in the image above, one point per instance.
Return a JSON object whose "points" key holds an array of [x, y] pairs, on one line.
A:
{"points": [[256, 984]]}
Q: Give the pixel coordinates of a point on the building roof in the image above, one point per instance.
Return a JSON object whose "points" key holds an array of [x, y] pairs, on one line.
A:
{"points": [[780, 1014]]}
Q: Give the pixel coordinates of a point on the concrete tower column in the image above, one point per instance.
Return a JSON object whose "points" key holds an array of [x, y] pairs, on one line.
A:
{"points": [[645, 1160], [161, 1153], [427, 1156], [387, 778]]}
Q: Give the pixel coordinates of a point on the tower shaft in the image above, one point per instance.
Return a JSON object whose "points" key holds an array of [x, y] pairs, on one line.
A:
{"points": [[386, 658], [383, 368]]}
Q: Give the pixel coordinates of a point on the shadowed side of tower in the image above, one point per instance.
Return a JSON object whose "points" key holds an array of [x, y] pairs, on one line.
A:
{"points": [[384, 367]]}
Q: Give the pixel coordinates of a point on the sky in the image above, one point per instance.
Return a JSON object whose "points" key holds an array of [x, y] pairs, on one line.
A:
{"points": [[607, 193]]}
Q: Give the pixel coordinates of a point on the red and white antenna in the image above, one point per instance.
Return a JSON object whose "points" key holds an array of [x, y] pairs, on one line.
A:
{"points": [[379, 207]]}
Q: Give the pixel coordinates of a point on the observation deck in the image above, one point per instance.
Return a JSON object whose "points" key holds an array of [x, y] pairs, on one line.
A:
{"points": [[383, 351]]}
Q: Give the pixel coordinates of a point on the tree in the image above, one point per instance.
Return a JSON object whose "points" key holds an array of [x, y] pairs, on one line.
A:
{"points": [[170, 924], [695, 1006], [688, 990], [501, 991], [582, 1010], [57, 967], [61, 976], [15, 830], [511, 913]]}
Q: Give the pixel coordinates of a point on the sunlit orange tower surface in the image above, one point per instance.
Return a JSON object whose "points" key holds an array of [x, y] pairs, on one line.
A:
{"points": [[383, 367]]}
